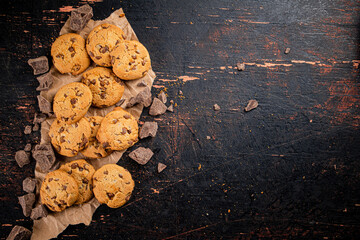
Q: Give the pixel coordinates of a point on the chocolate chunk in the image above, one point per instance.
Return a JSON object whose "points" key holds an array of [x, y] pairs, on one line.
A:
{"points": [[110, 195], [73, 101], [44, 104], [36, 127], [45, 157], [19, 233], [22, 158], [161, 167], [149, 129], [40, 65], [287, 51], [170, 108], [240, 66], [157, 107], [27, 147], [216, 107], [45, 81], [141, 155], [252, 104], [142, 83], [162, 97], [27, 202], [118, 104], [27, 130], [80, 17], [39, 118], [29, 184], [143, 97], [38, 212]]}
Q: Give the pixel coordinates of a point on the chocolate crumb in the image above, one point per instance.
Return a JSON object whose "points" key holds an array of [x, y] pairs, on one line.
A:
{"points": [[27, 147], [162, 97], [36, 127], [216, 107], [180, 92], [142, 83], [27, 130], [240, 66], [252, 104], [118, 104], [287, 50], [161, 167], [170, 108]]}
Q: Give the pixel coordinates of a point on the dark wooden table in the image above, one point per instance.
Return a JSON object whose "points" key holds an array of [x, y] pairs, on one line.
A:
{"points": [[288, 169]]}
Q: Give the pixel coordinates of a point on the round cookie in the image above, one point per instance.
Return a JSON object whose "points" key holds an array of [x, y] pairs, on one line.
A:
{"points": [[107, 89], [67, 139], [113, 185], [71, 102], [118, 130], [101, 41], [58, 190], [130, 60], [95, 149], [82, 172], [69, 54]]}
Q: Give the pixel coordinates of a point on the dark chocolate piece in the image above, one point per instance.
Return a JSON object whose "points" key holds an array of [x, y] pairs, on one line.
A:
{"points": [[22, 158], [240, 66], [40, 65], [287, 50], [38, 212], [141, 155], [36, 127], [216, 107], [149, 129], [162, 97], [19, 233], [161, 167], [27, 201], [118, 104], [80, 17], [252, 104], [170, 108], [29, 184], [157, 107], [27, 130], [27, 147], [142, 83], [44, 156], [39, 118], [45, 81], [143, 97], [44, 104]]}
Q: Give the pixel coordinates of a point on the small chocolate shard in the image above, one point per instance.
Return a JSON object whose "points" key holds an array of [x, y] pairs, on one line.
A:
{"points": [[161, 167], [19, 233], [45, 157], [27, 201], [27, 130], [149, 129], [45, 81], [39, 118], [287, 50], [27, 147], [162, 97], [22, 158], [240, 66], [38, 212], [170, 108], [118, 104], [44, 105], [157, 107], [36, 127], [142, 83], [80, 17], [180, 92], [216, 107], [252, 104], [141, 155], [40, 65], [29, 184]]}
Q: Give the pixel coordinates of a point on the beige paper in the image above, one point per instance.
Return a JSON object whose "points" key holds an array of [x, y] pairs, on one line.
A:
{"points": [[55, 223]]}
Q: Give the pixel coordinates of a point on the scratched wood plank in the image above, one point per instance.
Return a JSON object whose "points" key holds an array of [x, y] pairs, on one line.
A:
{"points": [[288, 169]]}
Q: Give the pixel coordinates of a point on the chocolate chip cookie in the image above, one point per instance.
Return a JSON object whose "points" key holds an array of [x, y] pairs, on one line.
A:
{"points": [[101, 42], [69, 139], [82, 172], [107, 89], [69, 54], [113, 185], [118, 130], [130, 60], [71, 102], [59, 190]]}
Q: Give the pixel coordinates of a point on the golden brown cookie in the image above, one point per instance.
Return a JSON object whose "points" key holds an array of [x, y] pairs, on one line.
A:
{"points": [[69, 54], [71, 102], [101, 42], [113, 185], [130, 60], [67, 139], [59, 190], [95, 149], [118, 130], [107, 89], [82, 172]]}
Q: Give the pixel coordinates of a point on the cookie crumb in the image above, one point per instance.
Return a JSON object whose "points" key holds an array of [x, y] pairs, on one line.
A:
{"points": [[287, 50], [161, 167], [141, 155], [252, 104], [157, 107], [149, 129], [27, 130], [240, 66], [216, 107]]}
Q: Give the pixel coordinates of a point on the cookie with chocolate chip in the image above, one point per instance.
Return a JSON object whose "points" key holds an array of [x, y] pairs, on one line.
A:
{"points": [[101, 41], [82, 172], [69, 54], [71, 102], [113, 185], [59, 190], [118, 130], [69, 139], [130, 60], [107, 89]]}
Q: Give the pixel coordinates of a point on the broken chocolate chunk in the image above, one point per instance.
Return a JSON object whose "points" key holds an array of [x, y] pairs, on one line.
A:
{"points": [[44, 156], [27, 147], [36, 127], [27, 201], [157, 107], [40, 65], [161, 167], [29, 184], [80, 17], [149, 129], [170, 108], [240, 66], [27, 130], [38, 212], [142, 83], [118, 104], [287, 50], [252, 104], [143, 97], [45, 81], [39, 118], [44, 104], [141, 155], [216, 107], [19, 233], [162, 97], [22, 158]]}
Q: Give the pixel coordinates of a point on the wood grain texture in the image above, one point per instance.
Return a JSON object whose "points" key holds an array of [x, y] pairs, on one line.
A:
{"points": [[288, 169]]}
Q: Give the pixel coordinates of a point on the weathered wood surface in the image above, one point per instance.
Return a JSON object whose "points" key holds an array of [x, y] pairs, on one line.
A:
{"points": [[288, 169]]}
